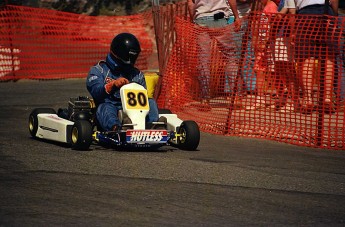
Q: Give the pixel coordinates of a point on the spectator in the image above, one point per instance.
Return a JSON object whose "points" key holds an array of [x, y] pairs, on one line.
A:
{"points": [[284, 66], [242, 41], [211, 14], [261, 38], [107, 77], [308, 50]]}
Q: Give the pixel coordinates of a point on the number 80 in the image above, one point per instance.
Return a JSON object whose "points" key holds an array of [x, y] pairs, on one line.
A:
{"points": [[133, 100]]}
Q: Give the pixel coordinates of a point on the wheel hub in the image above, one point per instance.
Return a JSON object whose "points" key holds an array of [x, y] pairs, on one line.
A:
{"points": [[31, 124], [74, 135]]}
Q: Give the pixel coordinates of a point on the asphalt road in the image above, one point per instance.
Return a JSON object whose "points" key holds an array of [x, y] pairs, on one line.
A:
{"points": [[229, 181]]}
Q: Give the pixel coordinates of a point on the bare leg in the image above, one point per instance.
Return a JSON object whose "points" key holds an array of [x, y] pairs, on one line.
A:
{"points": [[329, 78], [260, 82], [260, 73], [307, 80]]}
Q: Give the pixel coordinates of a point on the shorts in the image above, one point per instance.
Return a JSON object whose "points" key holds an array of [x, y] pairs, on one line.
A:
{"points": [[313, 37]]}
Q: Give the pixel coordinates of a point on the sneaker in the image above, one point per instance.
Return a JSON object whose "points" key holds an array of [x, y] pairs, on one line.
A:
{"points": [[203, 106], [259, 102]]}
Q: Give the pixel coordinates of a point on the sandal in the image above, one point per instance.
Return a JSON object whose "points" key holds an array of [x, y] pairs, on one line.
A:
{"points": [[307, 104], [329, 106]]}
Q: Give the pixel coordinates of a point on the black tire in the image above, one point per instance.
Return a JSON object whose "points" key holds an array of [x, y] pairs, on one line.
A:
{"points": [[164, 111], [189, 136], [81, 135], [33, 120]]}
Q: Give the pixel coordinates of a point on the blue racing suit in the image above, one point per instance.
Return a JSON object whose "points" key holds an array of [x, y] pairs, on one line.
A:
{"points": [[108, 105]]}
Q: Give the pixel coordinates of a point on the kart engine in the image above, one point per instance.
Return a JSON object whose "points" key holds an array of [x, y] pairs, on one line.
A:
{"points": [[79, 108]]}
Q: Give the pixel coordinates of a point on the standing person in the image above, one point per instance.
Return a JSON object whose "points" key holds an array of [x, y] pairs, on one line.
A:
{"points": [[308, 50], [262, 51], [107, 77], [213, 13], [210, 14], [284, 65], [249, 80]]}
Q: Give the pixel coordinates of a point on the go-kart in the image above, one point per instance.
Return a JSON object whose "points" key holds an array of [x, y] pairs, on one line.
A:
{"points": [[77, 125]]}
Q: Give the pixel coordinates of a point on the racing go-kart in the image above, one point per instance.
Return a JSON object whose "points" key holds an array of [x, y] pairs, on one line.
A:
{"points": [[77, 125]]}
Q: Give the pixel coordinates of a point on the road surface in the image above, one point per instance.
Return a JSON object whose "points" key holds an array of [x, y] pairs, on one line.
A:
{"points": [[228, 181]]}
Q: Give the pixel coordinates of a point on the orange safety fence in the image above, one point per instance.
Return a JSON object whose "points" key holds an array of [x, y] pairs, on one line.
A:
{"points": [[278, 77], [38, 43]]}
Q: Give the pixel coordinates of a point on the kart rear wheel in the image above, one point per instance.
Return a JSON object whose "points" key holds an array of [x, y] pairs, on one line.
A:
{"points": [[189, 136], [33, 120], [81, 135]]}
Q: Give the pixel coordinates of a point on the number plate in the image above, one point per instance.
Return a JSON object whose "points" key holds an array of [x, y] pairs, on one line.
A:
{"points": [[136, 99]]}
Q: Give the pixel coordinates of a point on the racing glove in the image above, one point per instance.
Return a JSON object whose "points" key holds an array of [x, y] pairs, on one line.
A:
{"points": [[115, 83]]}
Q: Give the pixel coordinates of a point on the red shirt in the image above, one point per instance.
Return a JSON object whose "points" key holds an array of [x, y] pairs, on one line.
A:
{"points": [[270, 7]]}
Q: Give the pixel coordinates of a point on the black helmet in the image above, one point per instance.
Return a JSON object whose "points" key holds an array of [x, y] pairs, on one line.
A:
{"points": [[125, 47]]}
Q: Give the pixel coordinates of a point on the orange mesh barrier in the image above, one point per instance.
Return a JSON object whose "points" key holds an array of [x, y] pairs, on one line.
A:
{"points": [[278, 77], [44, 44]]}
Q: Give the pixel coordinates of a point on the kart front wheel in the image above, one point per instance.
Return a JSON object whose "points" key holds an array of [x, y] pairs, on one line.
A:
{"points": [[81, 135], [33, 119], [189, 136]]}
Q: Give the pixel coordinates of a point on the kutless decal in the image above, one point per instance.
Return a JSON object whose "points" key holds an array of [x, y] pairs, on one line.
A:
{"points": [[133, 136]]}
